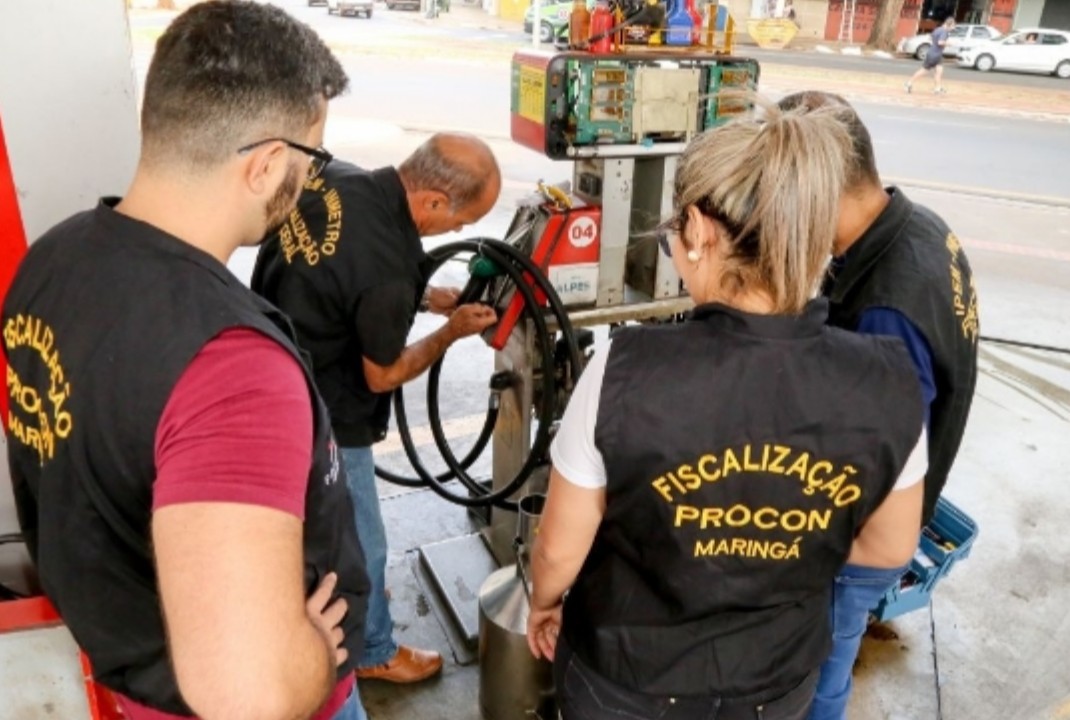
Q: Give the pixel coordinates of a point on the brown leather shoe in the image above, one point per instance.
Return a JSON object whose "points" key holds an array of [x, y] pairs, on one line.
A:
{"points": [[409, 665]]}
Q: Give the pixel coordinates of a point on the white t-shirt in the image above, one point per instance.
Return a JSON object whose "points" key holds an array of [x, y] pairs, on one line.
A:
{"points": [[577, 459]]}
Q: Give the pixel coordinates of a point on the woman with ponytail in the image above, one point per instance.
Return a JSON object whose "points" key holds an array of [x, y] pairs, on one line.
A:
{"points": [[710, 478]]}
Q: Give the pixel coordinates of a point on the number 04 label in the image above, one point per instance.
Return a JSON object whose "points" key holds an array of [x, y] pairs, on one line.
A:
{"points": [[582, 232]]}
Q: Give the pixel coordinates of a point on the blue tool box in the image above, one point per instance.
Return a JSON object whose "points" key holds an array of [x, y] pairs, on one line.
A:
{"points": [[947, 539]]}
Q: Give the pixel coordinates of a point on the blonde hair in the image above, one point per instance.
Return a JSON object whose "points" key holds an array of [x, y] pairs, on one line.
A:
{"points": [[773, 184]]}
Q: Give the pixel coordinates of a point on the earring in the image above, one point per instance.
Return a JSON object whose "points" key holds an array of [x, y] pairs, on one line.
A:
{"points": [[693, 255]]}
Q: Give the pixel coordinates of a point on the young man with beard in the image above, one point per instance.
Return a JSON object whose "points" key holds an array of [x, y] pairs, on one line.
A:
{"points": [[174, 469]]}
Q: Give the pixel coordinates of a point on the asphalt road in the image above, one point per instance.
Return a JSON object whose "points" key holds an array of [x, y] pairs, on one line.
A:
{"points": [[980, 151]]}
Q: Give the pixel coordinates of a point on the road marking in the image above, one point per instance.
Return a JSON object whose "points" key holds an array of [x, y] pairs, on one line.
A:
{"points": [[1030, 198], [1021, 250], [944, 123]]}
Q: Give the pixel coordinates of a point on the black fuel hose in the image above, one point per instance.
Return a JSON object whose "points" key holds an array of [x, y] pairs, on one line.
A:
{"points": [[522, 271], [477, 494]]}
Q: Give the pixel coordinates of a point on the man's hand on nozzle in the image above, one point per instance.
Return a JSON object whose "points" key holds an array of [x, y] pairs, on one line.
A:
{"points": [[327, 616], [471, 319], [441, 301]]}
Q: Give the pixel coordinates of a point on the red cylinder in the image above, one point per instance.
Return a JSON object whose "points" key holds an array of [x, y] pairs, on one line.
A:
{"points": [[696, 17], [601, 24]]}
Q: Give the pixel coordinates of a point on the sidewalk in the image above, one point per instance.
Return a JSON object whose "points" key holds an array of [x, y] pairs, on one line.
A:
{"points": [[968, 96]]}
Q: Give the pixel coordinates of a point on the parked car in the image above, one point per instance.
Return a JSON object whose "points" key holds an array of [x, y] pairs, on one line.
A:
{"points": [[1029, 49], [554, 19], [403, 4], [960, 35], [350, 7]]}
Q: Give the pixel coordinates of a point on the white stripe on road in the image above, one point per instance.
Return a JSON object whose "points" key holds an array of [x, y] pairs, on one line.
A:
{"points": [[942, 123], [1020, 250]]}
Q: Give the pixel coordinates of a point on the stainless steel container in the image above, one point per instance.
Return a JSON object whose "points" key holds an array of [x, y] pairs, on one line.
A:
{"points": [[513, 685]]}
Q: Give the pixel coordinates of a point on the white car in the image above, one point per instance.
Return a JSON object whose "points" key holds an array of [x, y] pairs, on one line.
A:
{"points": [[960, 35], [350, 7], [1030, 49]]}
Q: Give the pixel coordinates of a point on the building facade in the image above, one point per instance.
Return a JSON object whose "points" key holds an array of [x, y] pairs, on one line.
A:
{"points": [[832, 19]]}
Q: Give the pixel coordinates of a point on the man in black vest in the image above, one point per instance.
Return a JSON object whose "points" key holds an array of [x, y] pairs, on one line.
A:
{"points": [[349, 269], [898, 271], [175, 474]]}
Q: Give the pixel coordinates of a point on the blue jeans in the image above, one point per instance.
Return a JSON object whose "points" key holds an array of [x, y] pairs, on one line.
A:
{"points": [[857, 591], [353, 709], [379, 645]]}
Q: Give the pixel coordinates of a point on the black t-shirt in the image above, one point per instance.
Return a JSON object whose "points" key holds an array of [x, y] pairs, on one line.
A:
{"points": [[349, 270]]}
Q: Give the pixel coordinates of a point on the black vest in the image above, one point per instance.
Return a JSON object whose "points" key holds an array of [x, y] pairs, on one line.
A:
{"points": [[351, 231], [910, 261], [104, 315], [743, 453]]}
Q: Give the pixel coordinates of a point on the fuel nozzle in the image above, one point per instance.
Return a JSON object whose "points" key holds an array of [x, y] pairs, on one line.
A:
{"points": [[481, 270]]}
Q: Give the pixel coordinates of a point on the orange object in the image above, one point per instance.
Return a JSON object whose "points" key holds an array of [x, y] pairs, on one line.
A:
{"points": [[579, 24], [618, 37]]}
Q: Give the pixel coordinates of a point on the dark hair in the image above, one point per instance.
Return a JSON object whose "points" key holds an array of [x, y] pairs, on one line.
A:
{"points": [[227, 73], [458, 165], [862, 166]]}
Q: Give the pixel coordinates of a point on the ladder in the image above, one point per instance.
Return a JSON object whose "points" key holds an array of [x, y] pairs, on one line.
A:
{"points": [[847, 22]]}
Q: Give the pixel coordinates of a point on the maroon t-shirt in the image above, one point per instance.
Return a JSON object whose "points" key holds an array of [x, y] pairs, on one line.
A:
{"points": [[237, 428]]}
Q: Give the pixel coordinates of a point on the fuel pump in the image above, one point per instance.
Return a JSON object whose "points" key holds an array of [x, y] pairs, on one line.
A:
{"points": [[578, 253]]}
